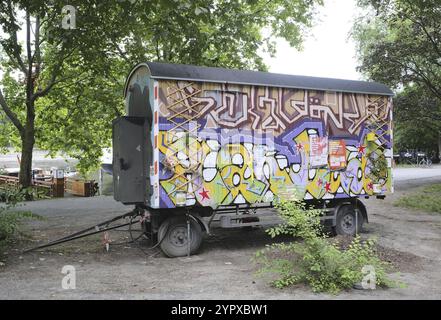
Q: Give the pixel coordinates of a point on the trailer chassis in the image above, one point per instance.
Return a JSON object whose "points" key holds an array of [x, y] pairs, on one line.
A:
{"points": [[179, 231]]}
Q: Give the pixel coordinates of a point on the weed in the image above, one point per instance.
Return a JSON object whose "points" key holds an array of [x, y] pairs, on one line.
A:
{"points": [[315, 260]]}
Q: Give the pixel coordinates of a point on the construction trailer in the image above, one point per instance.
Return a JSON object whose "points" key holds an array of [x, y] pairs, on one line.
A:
{"points": [[199, 142]]}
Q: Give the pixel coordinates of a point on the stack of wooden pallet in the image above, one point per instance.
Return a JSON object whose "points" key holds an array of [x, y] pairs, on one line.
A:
{"points": [[80, 187]]}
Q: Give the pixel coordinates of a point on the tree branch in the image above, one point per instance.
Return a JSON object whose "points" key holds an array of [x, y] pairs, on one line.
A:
{"points": [[55, 74], [122, 54], [46, 21], [13, 37], [420, 76], [37, 53], [433, 42], [29, 54], [426, 32], [11, 115], [43, 92]]}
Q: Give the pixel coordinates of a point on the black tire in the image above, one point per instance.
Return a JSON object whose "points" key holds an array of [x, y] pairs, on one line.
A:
{"points": [[173, 236], [346, 221]]}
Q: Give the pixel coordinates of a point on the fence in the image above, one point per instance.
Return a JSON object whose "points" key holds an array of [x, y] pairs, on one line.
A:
{"points": [[48, 186], [57, 187]]}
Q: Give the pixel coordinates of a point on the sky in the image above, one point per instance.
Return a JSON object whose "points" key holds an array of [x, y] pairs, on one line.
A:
{"points": [[328, 52]]}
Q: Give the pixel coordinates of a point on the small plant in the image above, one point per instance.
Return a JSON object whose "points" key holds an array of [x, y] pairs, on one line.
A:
{"points": [[10, 221], [10, 218], [378, 168], [315, 260], [298, 221], [14, 194]]}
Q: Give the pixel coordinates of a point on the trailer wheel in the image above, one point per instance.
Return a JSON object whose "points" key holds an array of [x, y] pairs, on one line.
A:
{"points": [[173, 235], [346, 221]]}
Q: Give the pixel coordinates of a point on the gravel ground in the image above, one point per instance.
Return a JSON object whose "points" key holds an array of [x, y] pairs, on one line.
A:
{"points": [[410, 239]]}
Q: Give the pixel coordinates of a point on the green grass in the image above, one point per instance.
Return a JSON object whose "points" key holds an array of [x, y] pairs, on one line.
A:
{"points": [[426, 199], [11, 221], [405, 165]]}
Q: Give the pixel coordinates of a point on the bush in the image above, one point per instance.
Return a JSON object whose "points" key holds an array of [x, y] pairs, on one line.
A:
{"points": [[298, 221], [11, 219], [10, 222], [15, 194], [377, 167], [316, 261]]}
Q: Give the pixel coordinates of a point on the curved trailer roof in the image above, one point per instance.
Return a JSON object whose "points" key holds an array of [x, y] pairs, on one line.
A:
{"points": [[221, 75]]}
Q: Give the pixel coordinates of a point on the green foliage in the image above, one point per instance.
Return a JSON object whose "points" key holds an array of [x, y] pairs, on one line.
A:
{"points": [[217, 33], [298, 222], [378, 168], [10, 218], [398, 44], [316, 261], [426, 199], [417, 117], [84, 69], [15, 194], [15, 93], [69, 122], [10, 223], [410, 135]]}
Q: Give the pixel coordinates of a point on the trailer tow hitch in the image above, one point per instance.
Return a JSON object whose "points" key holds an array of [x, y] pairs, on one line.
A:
{"points": [[135, 216]]}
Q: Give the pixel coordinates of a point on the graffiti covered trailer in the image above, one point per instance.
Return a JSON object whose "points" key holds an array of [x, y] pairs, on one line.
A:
{"points": [[201, 141]]}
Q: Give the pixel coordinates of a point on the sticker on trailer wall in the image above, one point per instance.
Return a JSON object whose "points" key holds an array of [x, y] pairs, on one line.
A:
{"points": [[318, 156], [337, 154]]}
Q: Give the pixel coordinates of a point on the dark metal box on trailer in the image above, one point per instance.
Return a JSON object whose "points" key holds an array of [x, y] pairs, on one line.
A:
{"points": [[200, 141]]}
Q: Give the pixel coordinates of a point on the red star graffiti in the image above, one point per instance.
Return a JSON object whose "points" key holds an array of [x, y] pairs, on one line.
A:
{"points": [[327, 186], [370, 185], [361, 148], [204, 194], [299, 146]]}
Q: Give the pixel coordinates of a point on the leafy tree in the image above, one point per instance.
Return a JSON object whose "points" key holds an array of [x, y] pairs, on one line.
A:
{"points": [[42, 60], [418, 120], [399, 44], [70, 80]]}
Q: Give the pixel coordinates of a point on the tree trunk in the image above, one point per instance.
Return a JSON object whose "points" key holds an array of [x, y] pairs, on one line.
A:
{"points": [[439, 146], [27, 147]]}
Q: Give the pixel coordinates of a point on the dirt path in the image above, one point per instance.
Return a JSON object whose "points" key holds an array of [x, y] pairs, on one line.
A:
{"points": [[222, 270]]}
